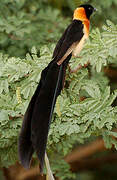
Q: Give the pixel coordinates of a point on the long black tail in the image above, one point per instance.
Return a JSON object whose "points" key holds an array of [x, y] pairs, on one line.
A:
{"points": [[36, 122]]}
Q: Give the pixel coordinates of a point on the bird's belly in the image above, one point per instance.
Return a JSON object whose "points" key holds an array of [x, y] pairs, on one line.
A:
{"points": [[79, 46]]}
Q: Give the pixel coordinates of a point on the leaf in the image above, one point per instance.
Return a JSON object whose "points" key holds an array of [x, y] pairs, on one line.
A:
{"points": [[99, 65], [92, 89], [107, 140], [33, 50], [4, 117], [113, 52]]}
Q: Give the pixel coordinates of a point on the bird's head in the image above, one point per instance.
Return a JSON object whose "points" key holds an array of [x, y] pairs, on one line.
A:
{"points": [[83, 12]]}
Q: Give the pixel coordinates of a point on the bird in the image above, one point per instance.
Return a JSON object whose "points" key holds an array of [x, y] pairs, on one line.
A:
{"points": [[37, 118]]}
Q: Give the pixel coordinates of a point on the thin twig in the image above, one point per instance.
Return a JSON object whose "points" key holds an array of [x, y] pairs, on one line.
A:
{"points": [[49, 175]]}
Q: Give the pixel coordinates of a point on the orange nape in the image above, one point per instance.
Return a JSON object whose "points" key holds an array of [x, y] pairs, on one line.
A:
{"points": [[80, 14]]}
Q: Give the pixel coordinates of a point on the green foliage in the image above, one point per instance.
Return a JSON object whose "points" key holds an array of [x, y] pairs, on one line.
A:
{"points": [[62, 3], [25, 24]]}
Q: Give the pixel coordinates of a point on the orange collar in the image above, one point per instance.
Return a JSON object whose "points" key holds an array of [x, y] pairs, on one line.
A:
{"points": [[79, 14]]}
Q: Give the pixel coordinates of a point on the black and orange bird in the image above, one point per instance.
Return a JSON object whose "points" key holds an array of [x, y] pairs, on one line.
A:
{"points": [[37, 119]]}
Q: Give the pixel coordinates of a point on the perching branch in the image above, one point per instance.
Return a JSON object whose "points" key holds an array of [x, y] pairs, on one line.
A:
{"points": [[85, 151]]}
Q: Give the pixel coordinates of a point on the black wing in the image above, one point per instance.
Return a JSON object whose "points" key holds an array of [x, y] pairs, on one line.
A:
{"points": [[72, 34], [25, 148]]}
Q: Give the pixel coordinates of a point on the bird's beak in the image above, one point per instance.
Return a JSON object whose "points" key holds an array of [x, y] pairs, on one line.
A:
{"points": [[95, 10]]}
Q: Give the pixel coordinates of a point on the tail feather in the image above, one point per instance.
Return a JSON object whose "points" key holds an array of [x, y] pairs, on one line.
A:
{"points": [[36, 123], [43, 110], [25, 148]]}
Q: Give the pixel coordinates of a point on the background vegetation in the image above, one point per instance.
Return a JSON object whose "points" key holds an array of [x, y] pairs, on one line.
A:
{"points": [[86, 109]]}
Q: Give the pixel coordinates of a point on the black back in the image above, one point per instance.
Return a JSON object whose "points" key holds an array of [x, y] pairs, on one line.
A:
{"points": [[73, 33]]}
